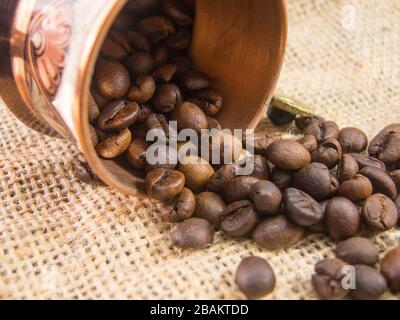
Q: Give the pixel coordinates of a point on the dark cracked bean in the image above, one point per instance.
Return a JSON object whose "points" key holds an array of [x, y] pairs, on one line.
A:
{"points": [[356, 189], [118, 115], [114, 145], [195, 81], [370, 283], [142, 90], [194, 233], [156, 28], [179, 209], [366, 161], [210, 206], [329, 153], [353, 140], [115, 46], [210, 101], [303, 122], [309, 142], [267, 198], [260, 166], [136, 153], [239, 220], [238, 189], [167, 97], [381, 181], [357, 250], [322, 130], [281, 178], [347, 169], [379, 213], [164, 184], [386, 145], [221, 177]]}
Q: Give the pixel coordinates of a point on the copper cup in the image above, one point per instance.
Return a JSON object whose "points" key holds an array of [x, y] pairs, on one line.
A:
{"points": [[48, 50]]}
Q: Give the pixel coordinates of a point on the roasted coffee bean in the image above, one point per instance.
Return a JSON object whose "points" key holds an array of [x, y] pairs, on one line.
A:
{"points": [[395, 175], [342, 219], [260, 167], [112, 79], [114, 145], [165, 72], [280, 117], [353, 140], [140, 63], [136, 154], [161, 55], [365, 161], [356, 189], [288, 155], [240, 222], [83, 172], [328, 278], [316, 180], [94, 138], [156, 28], [320, 226], [94, 110], [176, 12], [183, 63], [381, 181], [238, 189], [224, 175], [303, 122], [386, 145], [225, 148], [210, 206], [157, 122], [282, 179], [167, 97], [213, 124], [277, 233], [379, 213], [370, 283], [261, 143], [194, 233], [390, 268], [309, 142], [322, 130], [195, 81], [189, 116], [115, 46], [267, 198], [328, 153], [142, 90], [164, 184], [145, 111], [301, 208], [255, 278], [197, 172], [357, 250], [180, 40], [138, 40], [347, 169], [118, 115], [179, 209], [210, 101]]}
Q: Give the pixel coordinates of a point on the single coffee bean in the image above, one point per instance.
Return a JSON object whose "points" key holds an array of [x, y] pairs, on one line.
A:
{"points": [[160, 55], [183, 63], [193, 234], [381, 181], [304, 122], [280, 117], [316, 180], [118, 115], [395, 175], [145, 111], [282, 179], [386, 145], [140, 63], [320, 226], [167, 97], [195, 81], [347, 169], [328, 153], [240, 222], [213, 124], [165, 72], [379, 213], [238, 189], [356, 189], [114, 145], [115, 46], [157, 122], [179, 209], [322, 130], [224, 175], [328, 278], [277, 233], [156, 28], [258, 165], [309, 142], [261, 143], [210, 101], [142, 90], [112, 79], [210, 206], [164, 184], [83, 172], [390, 268], [255, 278], [357, 250], [288, 155], [267, 198], [177, 13], [138, 40], [353, 140], [342, 219], [180, 40], [136, 154], [197, 172], [370, 283], [189, 116], [224, 148], [301, 208], [94, 110], [366, 161]]}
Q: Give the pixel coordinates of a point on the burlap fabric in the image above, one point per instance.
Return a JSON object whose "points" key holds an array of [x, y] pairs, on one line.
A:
{"points": [[63, 239]]}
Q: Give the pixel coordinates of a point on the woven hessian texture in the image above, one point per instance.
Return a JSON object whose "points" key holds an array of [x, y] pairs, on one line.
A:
{"points": [[63, 239]]}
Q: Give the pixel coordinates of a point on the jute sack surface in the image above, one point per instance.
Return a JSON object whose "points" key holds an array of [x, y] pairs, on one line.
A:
{"points": [[63, 239]]}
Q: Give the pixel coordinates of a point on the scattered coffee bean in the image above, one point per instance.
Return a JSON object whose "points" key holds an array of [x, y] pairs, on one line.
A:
{"points": [[118, 115], [379, 213], [390, 268], [194, 233], [370, 284], [280, 117], [167, 97], [357, 250], [328, 153], [267, 198], [353, 140], [239, 221], [282, 179], [115, 46], [238, 189], [223, 176], [385, 146], [112, 79], [288, 155], [114, 145], [210, 101], [309, 142], [179, 209], [197, 172], [164, 184], [347, 169], [136, 154], [195, 81], [260, 166], [142, 90], [365, 161], [381, 181], [322, 130], [189, 116], [255, 278], [210, 206], [356, 189], [144, 112]]}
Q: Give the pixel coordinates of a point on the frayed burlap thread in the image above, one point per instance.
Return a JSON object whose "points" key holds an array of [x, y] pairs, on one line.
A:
{"points": [[60, 239]]}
